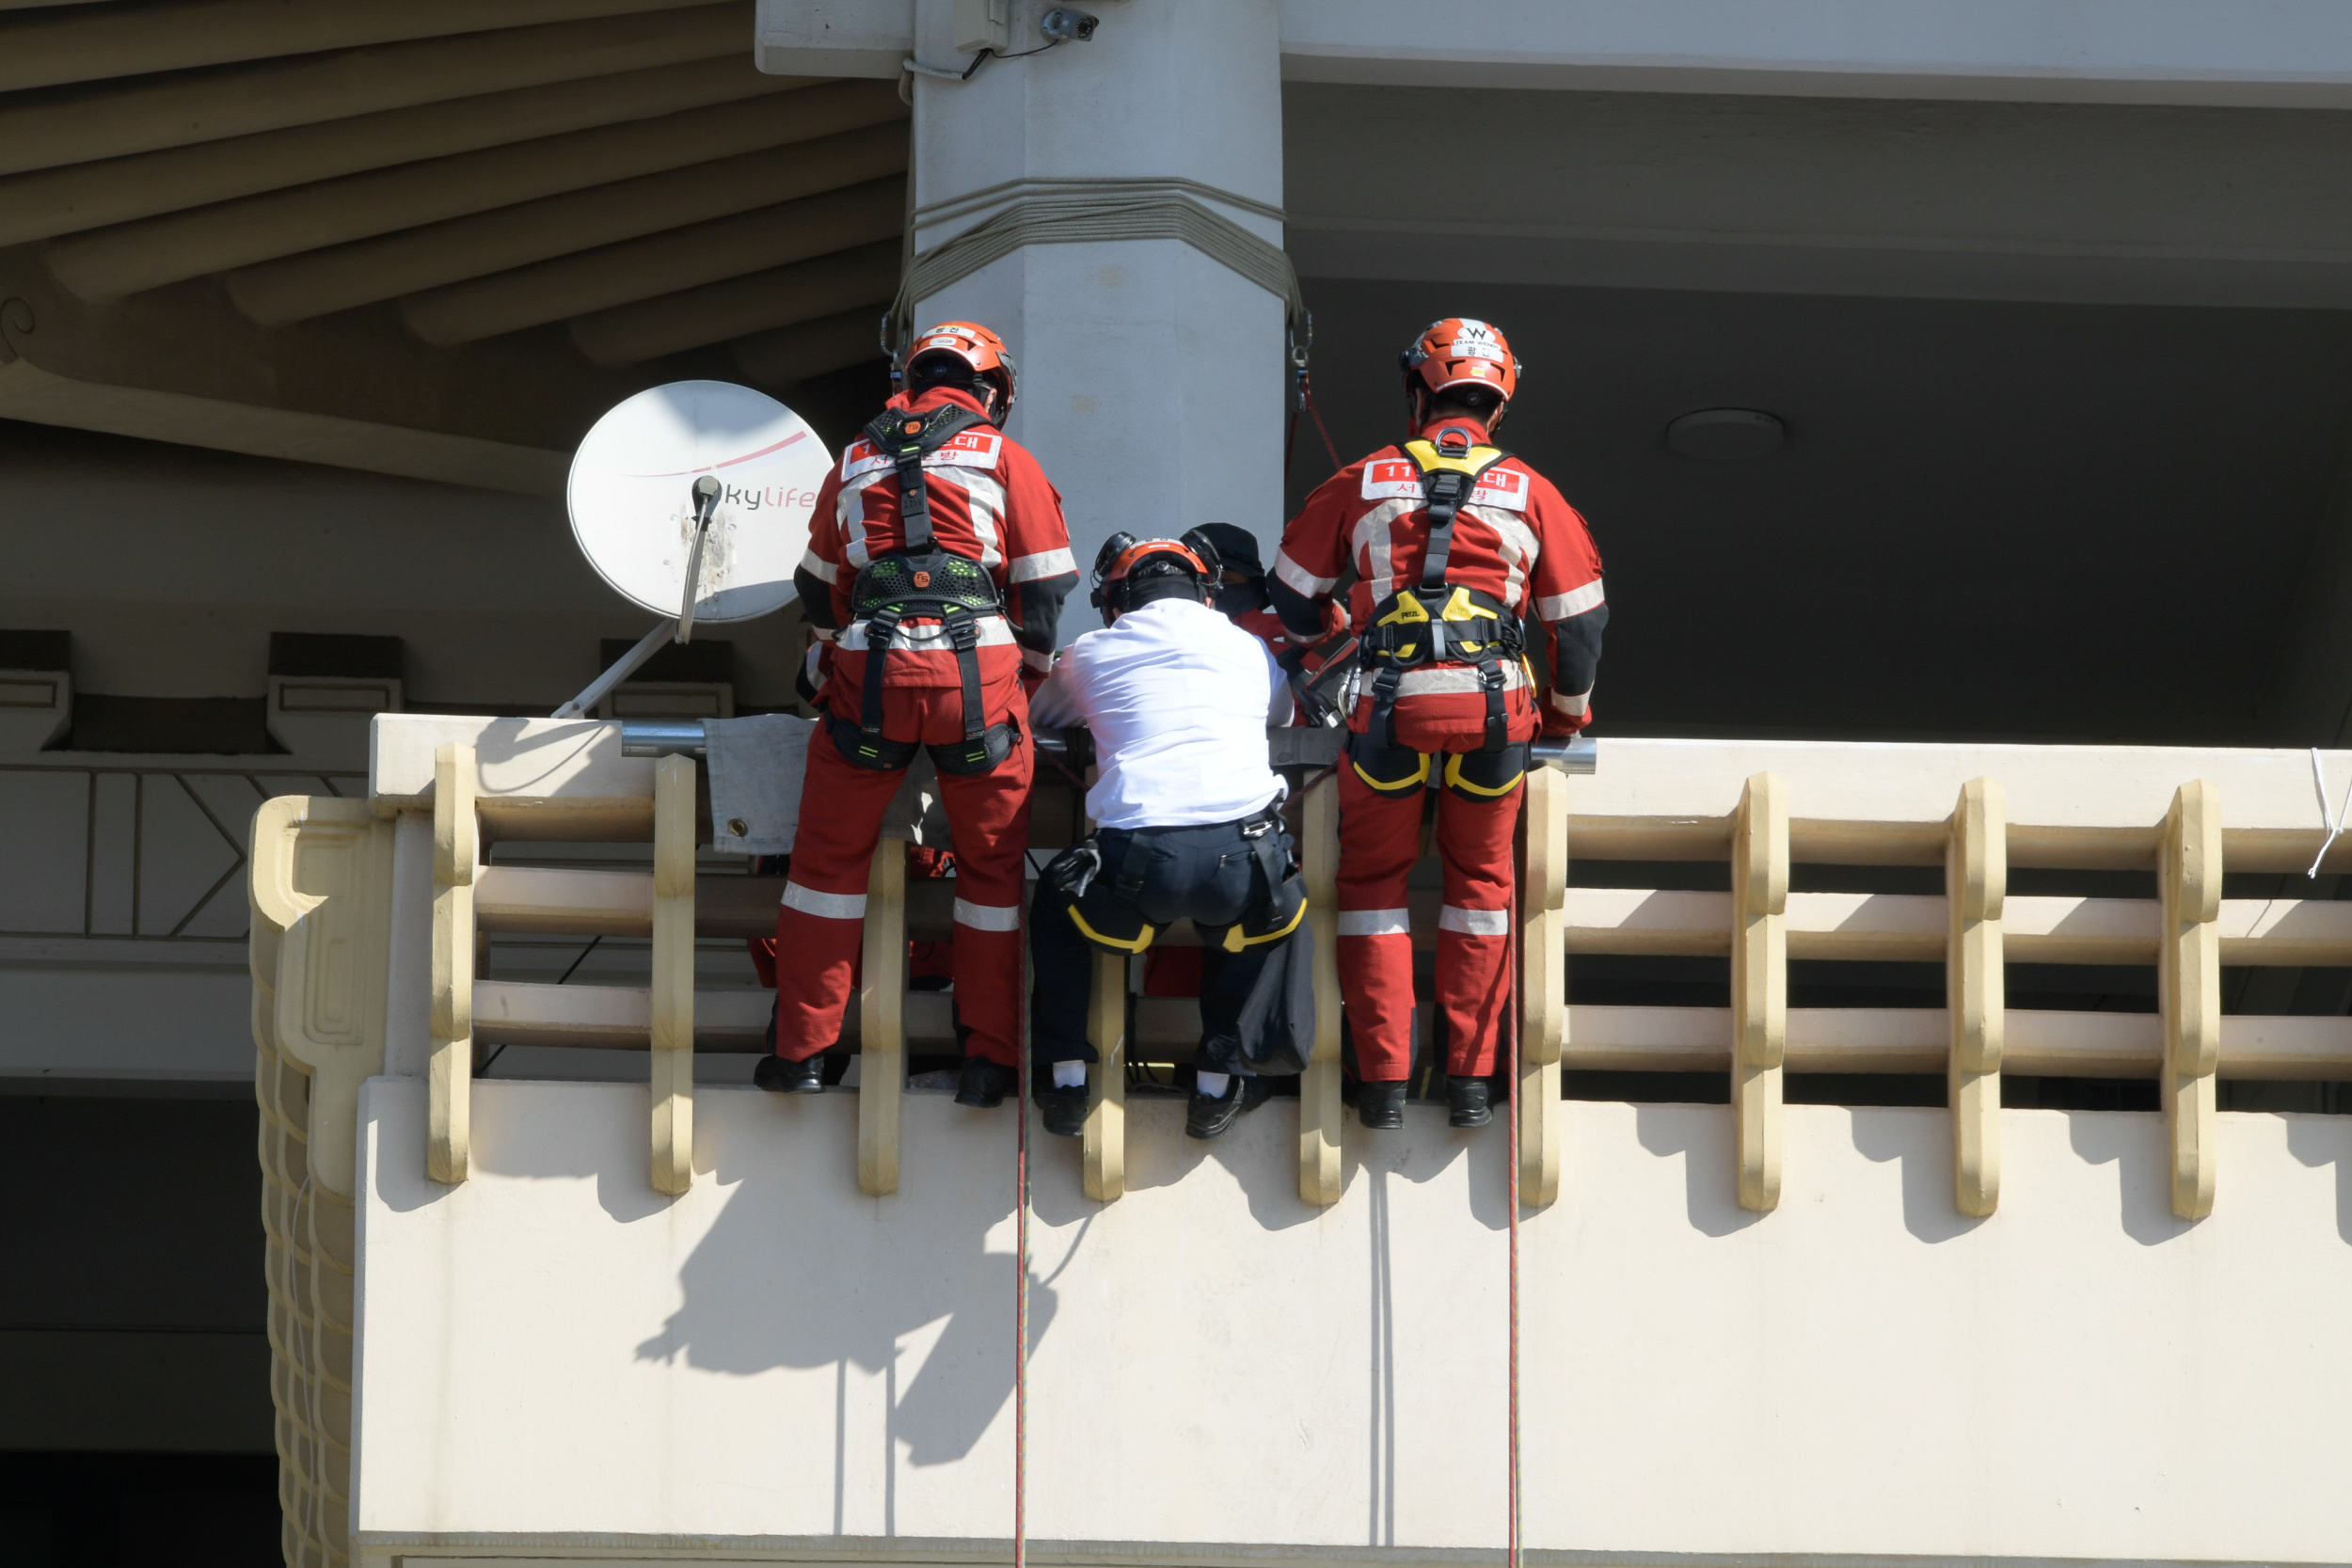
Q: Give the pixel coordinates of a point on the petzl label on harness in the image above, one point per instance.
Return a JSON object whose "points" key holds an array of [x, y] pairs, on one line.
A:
{"points": [[968, 448]]}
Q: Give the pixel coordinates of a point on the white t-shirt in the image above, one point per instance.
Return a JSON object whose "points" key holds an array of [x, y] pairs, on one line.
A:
{"points": [[1178, 699]]}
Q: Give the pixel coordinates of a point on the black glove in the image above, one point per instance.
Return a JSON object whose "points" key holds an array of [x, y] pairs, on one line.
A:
{"points": [[1074, 869]]}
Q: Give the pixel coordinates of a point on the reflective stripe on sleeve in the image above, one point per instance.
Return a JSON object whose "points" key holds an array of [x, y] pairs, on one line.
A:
{"points": [[1045, 563], [1375, 922], [987, 917], [1300, 579], [1573, 703], [1474, 923], [822, 570], [824, 905], [1576, 601]]}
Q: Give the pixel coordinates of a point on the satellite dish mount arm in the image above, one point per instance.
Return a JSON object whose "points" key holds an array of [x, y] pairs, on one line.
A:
{"points": [[706, 503], [667, 629]]}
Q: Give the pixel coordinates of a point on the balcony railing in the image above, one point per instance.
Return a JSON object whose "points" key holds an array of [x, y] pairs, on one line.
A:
{"points": [[369, 915]]}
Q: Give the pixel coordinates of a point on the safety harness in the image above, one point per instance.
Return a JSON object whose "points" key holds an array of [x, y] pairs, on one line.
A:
{"points": [[1114, 918], [921, 577], [1437, 622]]}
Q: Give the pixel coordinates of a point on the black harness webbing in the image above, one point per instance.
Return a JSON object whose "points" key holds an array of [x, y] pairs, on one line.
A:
{"points": [[920, 578], [909, 438], [1427, 625]]}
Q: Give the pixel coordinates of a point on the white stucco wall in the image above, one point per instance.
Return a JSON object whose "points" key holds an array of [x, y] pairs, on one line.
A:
{"points": [[551, 1357]]}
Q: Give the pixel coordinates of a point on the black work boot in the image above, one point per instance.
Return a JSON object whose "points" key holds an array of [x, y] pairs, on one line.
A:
{"points": [[984, 1084], [778, 1076], [1469, 1101], [1206, 1117], [1380, 1105], [1063, 1111]]}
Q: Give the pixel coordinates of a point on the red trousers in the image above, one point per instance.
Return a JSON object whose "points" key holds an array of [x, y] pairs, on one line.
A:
{"points": [[1379, 841], [821, 923]]}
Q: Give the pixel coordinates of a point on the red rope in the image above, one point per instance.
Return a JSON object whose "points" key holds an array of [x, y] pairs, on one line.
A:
{"points": [[1518, 1016], [1021, 1318], [1290, 445], [1307, 396]]}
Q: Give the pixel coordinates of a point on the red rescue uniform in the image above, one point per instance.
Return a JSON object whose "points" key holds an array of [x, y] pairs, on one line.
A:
{"points": [[990, 503], [1517, 542]]}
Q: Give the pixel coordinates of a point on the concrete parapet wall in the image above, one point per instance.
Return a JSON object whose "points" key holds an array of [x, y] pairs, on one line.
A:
{"points": [[557, 1363]]}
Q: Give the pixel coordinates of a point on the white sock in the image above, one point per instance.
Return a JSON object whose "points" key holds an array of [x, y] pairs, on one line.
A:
{"points": [[1213, 1084], [1070, 1075]]}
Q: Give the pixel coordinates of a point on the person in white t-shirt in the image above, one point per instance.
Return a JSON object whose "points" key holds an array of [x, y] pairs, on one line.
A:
{"points": [[1187, 813]]}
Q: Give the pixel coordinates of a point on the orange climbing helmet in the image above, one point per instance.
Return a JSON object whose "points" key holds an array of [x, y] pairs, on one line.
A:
{"points": [[1460, 352], [973, 346], [1124, 565]]}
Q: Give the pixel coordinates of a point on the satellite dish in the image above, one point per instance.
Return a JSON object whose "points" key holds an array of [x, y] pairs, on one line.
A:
{"points": [[633, 499], [698, 480]]}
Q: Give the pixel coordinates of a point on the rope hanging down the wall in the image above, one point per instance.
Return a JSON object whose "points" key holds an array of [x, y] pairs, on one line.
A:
{"points": [[1083, 212]]}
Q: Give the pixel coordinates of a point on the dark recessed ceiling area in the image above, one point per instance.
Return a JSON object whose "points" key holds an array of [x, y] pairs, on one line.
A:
{"points": [[1988, 519]]}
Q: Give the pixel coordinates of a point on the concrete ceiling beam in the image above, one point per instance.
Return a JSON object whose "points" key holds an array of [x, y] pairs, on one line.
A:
{"points": [[49, 202], [32, 394], [96, 43], [319, 282], [117, 121], [792, 354], [658, 265], [112, 262], [804, 292]]}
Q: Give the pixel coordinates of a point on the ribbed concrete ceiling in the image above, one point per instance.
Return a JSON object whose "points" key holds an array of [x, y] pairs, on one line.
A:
{"points": [[481, 168]]}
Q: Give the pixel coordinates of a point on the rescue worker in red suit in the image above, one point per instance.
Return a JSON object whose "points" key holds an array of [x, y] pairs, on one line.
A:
{"points": [[936, 567], [1454, 546]]}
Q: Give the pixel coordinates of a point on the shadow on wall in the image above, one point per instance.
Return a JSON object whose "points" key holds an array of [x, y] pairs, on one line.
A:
{"points": [[2320, 1141], [2140, 1149], [1711, 1186], [1923, 1143], [791, 1275]]}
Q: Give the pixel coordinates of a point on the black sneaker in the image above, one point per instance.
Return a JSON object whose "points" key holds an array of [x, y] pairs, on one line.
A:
{"points": [[984, 1084], [1205, 1117], [1380, 1105], [1063, 1111], [1469, 1101], [778, 1076]]}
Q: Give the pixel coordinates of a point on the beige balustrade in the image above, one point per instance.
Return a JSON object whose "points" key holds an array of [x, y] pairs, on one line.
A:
{"points": [[1760, 807]]}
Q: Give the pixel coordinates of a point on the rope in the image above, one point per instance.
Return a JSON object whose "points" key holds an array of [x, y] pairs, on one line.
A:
{"points": [[1081, 212], [1021, 1316], [2333, 824], [1305, 403], [1511, 1108]]}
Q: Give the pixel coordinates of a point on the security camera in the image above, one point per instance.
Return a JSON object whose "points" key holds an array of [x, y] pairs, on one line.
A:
{"points": [[1064, 22]]}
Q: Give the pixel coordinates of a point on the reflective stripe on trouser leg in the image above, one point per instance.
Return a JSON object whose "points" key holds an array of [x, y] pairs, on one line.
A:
{"points": [[1379, 840], [1474, 841], [820, 925], [988, 817]]}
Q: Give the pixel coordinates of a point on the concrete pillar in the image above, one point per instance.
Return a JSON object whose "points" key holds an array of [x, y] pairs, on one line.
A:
{"points": [[1152, 376]]}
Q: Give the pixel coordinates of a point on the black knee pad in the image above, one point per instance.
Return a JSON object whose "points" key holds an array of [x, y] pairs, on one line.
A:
{"points": [[1486, 775], [1387, 769]]}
